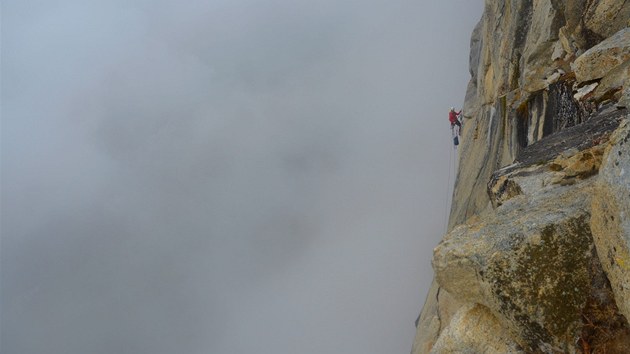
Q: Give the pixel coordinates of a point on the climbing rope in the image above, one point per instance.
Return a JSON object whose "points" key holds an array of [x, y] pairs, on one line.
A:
{"points": [[455, 131], [448, 185]]}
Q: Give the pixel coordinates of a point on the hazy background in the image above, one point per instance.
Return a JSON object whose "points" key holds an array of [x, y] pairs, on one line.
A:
{"points": [[224, 177]]}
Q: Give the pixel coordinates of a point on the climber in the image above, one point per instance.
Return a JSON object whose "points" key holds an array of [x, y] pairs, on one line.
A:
{"points": [[453, 117]]}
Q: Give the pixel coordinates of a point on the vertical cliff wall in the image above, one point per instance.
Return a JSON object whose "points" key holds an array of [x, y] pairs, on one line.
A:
{"points": [[537, 254]]}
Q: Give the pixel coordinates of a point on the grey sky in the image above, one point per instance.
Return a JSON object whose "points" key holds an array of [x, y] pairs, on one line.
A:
{"points": [[224, 177]]}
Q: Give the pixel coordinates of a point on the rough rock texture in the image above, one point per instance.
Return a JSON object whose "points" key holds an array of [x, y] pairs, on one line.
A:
{"points": [[596, 62], [438, 310], [614, 81], [537, 254], [611, 216], [475, 330], [602, 18], [533, 272]]}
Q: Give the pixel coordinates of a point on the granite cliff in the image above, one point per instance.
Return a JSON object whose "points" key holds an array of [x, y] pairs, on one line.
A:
{"points": [[537, 254]]}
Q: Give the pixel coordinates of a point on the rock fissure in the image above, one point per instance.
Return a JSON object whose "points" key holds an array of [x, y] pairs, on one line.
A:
{"points": [[437, 301]]}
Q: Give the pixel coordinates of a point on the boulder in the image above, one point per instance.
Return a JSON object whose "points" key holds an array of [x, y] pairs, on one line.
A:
{"points": [[596, 62], [614, 81], [585, 91], [528, 263]]}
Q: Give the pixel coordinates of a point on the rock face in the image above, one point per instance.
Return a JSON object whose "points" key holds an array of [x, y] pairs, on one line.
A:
{"points": [[611, 216], [463, 335], [537, 257]]}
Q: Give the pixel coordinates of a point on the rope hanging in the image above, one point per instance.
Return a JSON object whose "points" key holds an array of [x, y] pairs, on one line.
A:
{"points": [[448, 185]]}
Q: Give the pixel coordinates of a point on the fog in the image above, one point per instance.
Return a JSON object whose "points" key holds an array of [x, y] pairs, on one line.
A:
{"points": [[224, 177]]}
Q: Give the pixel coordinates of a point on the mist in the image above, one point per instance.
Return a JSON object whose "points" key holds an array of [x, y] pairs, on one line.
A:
{"points": [[224, 177]]}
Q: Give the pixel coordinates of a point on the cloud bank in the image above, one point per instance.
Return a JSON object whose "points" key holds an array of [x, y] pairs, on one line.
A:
{"points": [[224, 176]]}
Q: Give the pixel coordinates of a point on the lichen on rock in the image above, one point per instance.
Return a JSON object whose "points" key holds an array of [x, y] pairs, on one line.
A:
{"points": [[531, 272]]}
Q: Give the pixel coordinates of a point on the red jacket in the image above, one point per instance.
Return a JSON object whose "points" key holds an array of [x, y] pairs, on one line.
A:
{"points": [[452, 116]]}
